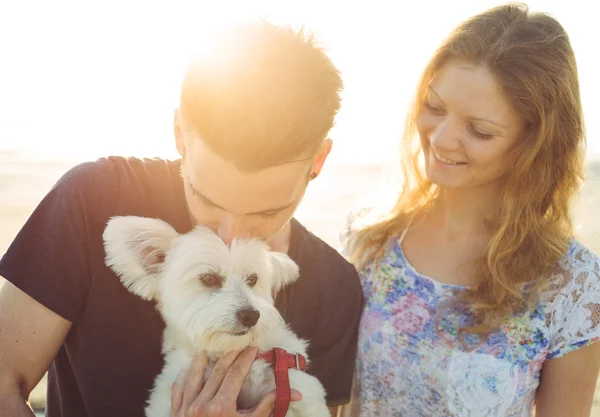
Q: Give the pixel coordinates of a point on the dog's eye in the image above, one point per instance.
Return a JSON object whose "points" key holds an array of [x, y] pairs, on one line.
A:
{"points": [[211, 280], [251, 280]]}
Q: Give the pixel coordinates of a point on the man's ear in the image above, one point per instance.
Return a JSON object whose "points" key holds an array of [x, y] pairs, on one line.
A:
{"points": [[321, 157], [178, 133], [135, 250], [285, 271]]}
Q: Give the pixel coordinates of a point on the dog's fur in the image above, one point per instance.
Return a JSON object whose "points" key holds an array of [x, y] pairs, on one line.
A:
{"points": [[200, 284]]}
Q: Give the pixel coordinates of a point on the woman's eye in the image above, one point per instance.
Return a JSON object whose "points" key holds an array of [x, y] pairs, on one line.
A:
{"points": [[480, 134]]}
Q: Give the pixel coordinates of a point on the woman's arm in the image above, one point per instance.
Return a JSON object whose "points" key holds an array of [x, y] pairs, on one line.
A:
{"points": [[568, 383]]}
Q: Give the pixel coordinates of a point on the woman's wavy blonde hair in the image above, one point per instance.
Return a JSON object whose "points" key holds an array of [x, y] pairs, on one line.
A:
{"points": [[531, 57]]}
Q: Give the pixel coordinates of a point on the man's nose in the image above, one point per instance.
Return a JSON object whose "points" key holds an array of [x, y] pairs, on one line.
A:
{"points": [[232, 227]]}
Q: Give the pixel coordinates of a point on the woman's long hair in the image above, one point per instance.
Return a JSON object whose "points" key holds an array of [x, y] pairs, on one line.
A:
{"points": [[531, 57]]}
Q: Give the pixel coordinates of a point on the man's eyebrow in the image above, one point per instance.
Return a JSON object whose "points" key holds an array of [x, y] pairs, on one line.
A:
{"points": [[212, 203], [203, 197]]}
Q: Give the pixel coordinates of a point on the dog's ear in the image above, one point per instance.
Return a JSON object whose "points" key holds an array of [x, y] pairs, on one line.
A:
{"points": [[135, 250], [285, 271]]}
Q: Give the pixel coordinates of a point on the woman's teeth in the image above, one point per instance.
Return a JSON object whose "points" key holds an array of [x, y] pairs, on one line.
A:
{"points": [[447, 161]]}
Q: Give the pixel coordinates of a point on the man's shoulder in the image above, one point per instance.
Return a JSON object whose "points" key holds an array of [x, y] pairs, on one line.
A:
{"points": [[117, 167], [117, 185], [323, 264], [114, 176]]}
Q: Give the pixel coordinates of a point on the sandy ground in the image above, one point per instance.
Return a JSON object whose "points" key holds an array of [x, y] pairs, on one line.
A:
{"points": [[24, 181]]}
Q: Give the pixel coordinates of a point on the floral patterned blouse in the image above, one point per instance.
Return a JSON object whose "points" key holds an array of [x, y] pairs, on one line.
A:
{"points": [[404, 367]]}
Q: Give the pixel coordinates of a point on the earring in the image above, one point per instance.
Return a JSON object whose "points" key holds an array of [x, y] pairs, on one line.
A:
{"points": [[313, 175]]}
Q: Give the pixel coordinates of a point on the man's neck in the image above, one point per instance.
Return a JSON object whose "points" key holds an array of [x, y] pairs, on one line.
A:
{"points": [[281, 241]]}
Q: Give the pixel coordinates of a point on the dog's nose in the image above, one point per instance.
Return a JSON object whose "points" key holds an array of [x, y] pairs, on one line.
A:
{"points": [[248, 316]]}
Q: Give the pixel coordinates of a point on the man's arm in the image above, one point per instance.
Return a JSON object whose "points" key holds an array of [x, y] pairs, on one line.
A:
{"points": [[30, 337], [14, 406]]}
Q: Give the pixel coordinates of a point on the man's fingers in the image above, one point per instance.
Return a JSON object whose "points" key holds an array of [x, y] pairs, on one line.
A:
{"points": [[296, 395], [266, 407], [232, 384], [194, 380], [217, 375], [177, 393]]}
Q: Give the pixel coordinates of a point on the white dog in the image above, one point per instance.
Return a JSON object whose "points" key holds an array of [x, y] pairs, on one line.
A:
{"points": [[214, 298]]}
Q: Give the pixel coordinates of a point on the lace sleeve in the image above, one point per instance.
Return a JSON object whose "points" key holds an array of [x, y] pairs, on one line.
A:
{"points": [[573, 316]]}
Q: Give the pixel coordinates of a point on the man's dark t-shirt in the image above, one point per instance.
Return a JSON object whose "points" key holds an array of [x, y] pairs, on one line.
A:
{"points": [[111, 355]]}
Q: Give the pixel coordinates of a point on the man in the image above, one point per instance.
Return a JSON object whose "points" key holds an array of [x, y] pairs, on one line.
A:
{"points": [[251, 130]]}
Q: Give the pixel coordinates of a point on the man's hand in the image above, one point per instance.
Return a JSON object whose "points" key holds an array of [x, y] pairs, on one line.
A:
{"points": [[218, 396]]}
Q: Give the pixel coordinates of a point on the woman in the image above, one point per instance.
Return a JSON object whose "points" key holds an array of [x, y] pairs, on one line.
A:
{"points": [[479, 300]]}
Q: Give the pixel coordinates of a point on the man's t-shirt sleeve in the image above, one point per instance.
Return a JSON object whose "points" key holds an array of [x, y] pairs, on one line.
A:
{"points": [[337, 340], [49, 258]]}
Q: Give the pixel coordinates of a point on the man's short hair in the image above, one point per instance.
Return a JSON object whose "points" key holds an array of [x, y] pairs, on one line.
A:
{"points": [[268, 95]]}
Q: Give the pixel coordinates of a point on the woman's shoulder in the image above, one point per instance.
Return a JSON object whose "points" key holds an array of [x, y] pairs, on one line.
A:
{"points": [[580, 254], [579, 266], [577, 271]]}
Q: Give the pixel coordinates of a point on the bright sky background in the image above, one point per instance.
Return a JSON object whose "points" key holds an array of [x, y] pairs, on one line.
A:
{"points": [[96, 78]]}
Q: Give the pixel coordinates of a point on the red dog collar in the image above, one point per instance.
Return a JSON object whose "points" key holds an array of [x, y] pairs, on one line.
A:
{"points": [[281, 361]]}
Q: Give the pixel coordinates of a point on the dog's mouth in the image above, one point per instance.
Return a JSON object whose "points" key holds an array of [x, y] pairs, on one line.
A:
{"points": [[242, 333]]}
